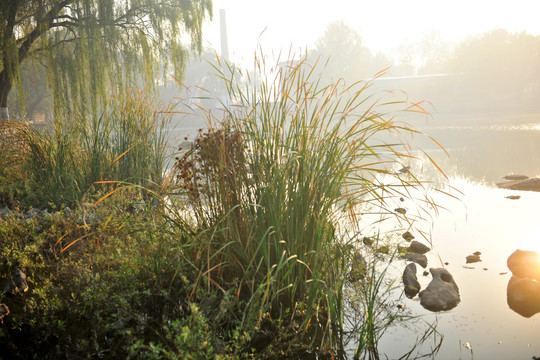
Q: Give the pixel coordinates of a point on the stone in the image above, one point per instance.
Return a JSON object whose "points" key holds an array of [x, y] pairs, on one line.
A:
{"points": [[4, 311], [367, 241], [524, 264], [473, 258], [418, 248], [17, 283], [442, 293], [400, 211], [515, 177], [513, 197], [525, 184], [407, 236], [410, 281], [420, 259], [523, 296]]}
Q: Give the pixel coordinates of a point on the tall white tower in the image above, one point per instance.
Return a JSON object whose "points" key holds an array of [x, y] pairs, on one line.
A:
{"points": [[223, 30]]}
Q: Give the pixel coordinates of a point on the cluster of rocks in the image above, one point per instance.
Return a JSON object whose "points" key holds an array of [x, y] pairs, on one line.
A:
{"points": [[442, 293], [87, 215], [523, 291]]}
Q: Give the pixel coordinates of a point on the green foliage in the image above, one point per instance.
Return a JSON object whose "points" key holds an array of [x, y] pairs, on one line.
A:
{"points": [[186, 339], [90, 46], [126, 141], [268, 186], [249, 253]]}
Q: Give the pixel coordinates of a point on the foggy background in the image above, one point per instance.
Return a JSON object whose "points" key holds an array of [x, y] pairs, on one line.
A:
{"points": [[475, 66]]}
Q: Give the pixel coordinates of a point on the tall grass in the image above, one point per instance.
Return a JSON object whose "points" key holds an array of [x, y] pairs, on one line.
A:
{"points": [[125, 141], [269, 183]]}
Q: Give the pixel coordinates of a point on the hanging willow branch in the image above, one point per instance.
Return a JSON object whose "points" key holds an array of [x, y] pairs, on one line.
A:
{"points": [[89, 46]]}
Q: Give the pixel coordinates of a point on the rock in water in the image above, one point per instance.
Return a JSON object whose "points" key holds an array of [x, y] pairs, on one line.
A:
{"points": [[408, 236], [420, 259], [442, 292], [17, 283], [472, 259], [515, 177], [418, 248], [523, 296], [525, 264], [412, 286], [526, 184]]}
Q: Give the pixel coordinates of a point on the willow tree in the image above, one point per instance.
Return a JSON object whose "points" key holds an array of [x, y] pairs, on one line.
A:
{"points": [[88, 46]]}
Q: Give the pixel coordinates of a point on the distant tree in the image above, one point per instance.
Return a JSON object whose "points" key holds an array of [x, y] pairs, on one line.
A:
{"points": [[36, 94], [499, 63], [87, 45], [347, 57]]}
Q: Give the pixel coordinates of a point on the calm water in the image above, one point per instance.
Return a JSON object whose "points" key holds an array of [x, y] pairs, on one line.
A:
{"points": [[482, 326], [482, 149]]}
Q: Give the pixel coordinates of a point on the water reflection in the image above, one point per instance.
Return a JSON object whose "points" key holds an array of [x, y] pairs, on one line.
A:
{"points": [[523, 291]]}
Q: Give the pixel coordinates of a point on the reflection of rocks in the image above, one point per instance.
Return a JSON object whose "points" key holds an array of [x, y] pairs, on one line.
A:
{"points": [[17, 283], [442, 292], [420, 259], [523, 296], [412, 286], [523, 291], [524, 264], [524, 184]]}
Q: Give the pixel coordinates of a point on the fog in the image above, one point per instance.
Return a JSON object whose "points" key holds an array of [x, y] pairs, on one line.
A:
{"points": [[481, 89]]}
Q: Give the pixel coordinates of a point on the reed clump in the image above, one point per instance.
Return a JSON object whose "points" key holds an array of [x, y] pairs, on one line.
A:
{"points": [[267, 188], [245, 249], [125, 140]]}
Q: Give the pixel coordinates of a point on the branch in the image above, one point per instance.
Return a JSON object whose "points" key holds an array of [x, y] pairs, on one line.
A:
{"points": [[43, 25]]}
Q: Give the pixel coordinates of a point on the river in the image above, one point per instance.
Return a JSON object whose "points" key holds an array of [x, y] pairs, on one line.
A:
{"points": [[482, 326]]}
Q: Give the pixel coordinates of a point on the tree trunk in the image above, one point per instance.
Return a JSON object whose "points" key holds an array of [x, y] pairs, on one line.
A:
{"points": [[5, 87]]}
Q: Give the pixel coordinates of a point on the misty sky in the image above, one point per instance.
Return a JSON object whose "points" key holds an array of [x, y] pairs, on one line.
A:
{"points": [[383, 24]]}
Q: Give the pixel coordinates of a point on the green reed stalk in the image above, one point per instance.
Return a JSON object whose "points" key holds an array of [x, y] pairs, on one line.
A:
{"points": [[289, 159], [126, 140]]}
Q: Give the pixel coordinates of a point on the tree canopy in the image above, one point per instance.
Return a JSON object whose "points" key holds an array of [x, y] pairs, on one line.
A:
{"points": [[347, 56], [87, 46]]}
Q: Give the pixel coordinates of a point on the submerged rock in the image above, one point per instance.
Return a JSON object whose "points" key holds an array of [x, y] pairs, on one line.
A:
{"points": [[420, 259], [412, 286], [17, 283], [418, 248], [524, 264], [523, 296], [442, 292]]}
